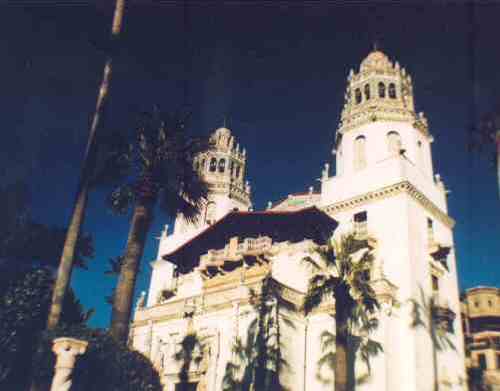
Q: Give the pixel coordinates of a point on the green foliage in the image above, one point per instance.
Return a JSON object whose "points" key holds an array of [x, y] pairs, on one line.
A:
{"points": [[341, 271], [24, 242], [257, 361], [106, 366], [24, 307], [154, 161]]}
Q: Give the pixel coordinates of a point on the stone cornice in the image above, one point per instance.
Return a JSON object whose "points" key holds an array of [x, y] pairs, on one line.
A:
{"points": [[391, 191]]}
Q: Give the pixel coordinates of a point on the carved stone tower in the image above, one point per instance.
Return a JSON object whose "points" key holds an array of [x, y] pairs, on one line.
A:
{"points": [[223, 168], [385, 188]]}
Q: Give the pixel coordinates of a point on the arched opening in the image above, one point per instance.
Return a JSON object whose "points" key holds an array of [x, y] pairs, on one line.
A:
{"points": [[196, 165], [231, 168], [222, 165], [367, 91], [394, 143], [357, 95], [359, 153], [213, 165], [381, 90], [210, 213], [392, 91], [237, 175], [203, 165]]}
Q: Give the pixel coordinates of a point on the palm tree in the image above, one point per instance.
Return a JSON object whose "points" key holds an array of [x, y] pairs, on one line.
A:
{"points": [[68, 253], [153, 165], [487, 134], [340, 270]]}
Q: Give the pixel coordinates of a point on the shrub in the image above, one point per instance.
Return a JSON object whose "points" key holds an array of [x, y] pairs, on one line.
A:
{"points": [[106, 365]]}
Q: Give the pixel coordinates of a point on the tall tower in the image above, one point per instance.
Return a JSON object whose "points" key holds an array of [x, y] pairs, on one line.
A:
{"points": [[223, 168], [385, 187]]}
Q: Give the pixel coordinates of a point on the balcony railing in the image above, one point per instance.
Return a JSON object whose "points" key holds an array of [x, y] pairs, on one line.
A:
{"points": [[442, 314]]}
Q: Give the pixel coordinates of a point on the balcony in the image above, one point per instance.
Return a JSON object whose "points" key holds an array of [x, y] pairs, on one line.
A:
{"points": [[442, 314], [234, 255], [439, 253]]}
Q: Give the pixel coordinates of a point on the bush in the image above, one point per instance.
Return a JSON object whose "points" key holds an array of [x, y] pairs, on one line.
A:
{"points": [[106, 365], [24, 304]]}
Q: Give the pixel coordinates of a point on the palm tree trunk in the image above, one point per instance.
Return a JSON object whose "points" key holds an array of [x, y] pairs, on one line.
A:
{"points": [[124, 293], [341, 368], [77, 219], [497, 140]]}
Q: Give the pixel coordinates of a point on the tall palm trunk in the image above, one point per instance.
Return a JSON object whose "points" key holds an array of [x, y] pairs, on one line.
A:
{"points": [[124, 293], [497, 140], [67, 257], [341, 368]]}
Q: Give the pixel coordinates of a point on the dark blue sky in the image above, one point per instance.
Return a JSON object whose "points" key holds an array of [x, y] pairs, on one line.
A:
{"points": [[278, 71]]}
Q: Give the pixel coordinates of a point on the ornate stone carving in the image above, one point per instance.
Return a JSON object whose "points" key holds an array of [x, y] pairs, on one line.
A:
{"points": [[66, 350]]}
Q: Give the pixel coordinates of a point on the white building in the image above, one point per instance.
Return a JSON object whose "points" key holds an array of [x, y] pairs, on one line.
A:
{"points": [[207, 274]]}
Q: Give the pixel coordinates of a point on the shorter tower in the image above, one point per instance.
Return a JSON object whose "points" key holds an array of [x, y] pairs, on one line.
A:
{"points": [[223, 168]]}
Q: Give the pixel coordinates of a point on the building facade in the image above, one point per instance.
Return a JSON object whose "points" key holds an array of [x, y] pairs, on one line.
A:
{"points": [[481, 325], [207, 274]]}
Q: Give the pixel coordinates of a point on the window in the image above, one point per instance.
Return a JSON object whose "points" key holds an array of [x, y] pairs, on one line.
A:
{"points": [[196, 165], [367, 91], [381, 90], [392, 91], [498, 361], [490, 303], [435, 284], [430, 231], [394, 143], [482, 361], [203, 164], [210, 213], [213, 165], [357, 94], [476, 303], [222, 165], [237, 172], [361, 225], [359, 153], [231, 168]]}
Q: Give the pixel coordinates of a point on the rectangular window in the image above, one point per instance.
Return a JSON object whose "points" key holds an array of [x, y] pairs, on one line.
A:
{"points": [[482, 361], [435, 284], [430, 230], [361, 225], [498, 361]]}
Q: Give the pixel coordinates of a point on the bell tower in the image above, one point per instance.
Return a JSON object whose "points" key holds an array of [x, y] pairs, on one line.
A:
{"points": [[385, 189], [381, 92], [223, 168]]}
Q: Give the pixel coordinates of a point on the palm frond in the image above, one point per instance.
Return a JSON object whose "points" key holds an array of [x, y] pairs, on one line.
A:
{"points": [[121, 198]]}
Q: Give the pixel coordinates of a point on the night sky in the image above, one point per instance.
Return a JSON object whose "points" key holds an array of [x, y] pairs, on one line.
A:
{"points": [[277, 70]]}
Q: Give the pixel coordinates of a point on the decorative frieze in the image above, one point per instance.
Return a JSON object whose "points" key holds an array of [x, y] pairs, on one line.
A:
{"points": [[391, 191]]}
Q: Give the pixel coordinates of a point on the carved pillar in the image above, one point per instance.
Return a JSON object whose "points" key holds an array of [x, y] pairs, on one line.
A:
{"points": [[66, 350]]}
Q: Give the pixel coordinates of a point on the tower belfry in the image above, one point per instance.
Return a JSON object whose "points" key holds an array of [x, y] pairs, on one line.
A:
{"points": [[223, 168]]}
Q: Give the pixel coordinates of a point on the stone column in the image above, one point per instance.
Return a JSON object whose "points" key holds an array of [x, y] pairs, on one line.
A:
{"points": [[66, 350]]}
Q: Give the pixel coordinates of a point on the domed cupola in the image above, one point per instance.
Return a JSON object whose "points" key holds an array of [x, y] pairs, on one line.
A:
{"points": [[223, 168], [380, 91]]}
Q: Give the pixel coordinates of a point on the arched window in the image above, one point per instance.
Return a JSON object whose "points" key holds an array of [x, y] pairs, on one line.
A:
{"points": [[196, 165], [394, 143], [213, 165], [222, 165], [392, 91], [367, 91], [231, 168], [359, 153], [237, 172], [381, 90], [357, 94], [203, 165]]}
